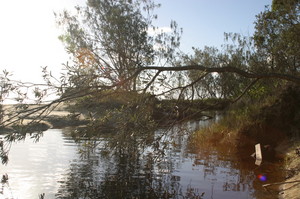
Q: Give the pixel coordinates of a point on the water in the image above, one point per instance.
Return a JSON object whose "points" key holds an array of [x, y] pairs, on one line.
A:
{"points": [[62, 168]]}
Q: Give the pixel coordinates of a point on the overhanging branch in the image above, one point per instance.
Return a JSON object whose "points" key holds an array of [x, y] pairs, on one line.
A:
{"points": [[226, 69]]}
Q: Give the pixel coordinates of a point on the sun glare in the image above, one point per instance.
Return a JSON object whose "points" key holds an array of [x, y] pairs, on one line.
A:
{"points": [[29, 37]]}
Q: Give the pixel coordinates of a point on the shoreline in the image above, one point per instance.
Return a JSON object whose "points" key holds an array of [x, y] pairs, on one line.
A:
{"points": [[58, 118], [289, 189]]}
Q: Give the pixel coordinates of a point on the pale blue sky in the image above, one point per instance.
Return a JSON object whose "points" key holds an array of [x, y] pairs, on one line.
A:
{"points": [[205, 21], [28, 36]]}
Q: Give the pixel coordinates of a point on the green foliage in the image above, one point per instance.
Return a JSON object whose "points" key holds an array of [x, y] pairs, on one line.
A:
{"points": [[284, 5], [116, 111], [266, 120], [110, 41], [264, 89], [284, 113], [226, 85], [274, 48], [277, 37], [103, 101]]}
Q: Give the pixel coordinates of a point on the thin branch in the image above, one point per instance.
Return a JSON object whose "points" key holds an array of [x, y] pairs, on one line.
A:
{"points": [[152, 80], [191, 84], [70, 96], [245, 91]]}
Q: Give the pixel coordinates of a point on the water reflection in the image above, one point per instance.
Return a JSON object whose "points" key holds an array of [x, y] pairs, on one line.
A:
{"points": [[35, 168], [128, 167]]}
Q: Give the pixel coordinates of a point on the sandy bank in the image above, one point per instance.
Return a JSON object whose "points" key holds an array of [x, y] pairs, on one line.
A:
{"points": [[57, 118]]}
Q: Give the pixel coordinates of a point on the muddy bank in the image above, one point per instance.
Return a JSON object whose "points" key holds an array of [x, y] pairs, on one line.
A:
{"points": [[278, 128], [290, 188]]}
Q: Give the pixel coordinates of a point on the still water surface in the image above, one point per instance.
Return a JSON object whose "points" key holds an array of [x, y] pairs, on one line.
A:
{"points": [[62, 168]]}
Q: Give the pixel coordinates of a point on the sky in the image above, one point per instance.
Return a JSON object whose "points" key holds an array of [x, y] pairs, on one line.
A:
{"points": [[29, 35]]}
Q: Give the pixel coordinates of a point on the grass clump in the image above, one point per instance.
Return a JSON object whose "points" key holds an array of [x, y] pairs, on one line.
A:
{"points": [[271, 121]]}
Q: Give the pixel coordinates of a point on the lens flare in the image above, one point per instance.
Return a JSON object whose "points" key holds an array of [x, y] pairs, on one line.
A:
{"points": [[262, 177]]}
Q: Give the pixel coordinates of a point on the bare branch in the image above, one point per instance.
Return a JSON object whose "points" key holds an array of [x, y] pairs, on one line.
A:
{"points": [[245, 91], [152, 80], [227, 69]]}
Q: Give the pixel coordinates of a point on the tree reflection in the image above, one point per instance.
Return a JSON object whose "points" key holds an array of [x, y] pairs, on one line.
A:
{"points": [[123, 166], [236, 168], [18, 134], [148, 164]]}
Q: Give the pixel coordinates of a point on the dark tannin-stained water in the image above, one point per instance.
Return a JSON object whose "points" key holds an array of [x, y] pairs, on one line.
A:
{"points": [[62, 168]]}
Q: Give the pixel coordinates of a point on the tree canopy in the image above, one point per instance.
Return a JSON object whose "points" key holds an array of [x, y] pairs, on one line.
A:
{"points": [[114, 50], [109, 40], [277, 37]]}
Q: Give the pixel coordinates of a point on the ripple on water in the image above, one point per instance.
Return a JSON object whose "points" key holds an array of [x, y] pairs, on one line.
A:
{"points": [[57, 166]]}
